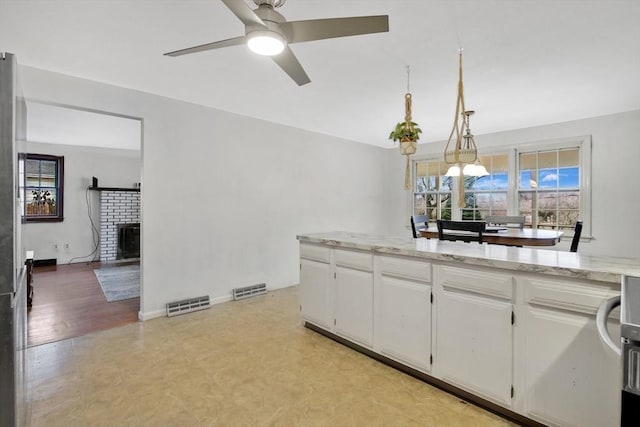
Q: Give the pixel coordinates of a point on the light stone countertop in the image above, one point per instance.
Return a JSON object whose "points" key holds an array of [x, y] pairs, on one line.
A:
{"points": [[541, 261]]}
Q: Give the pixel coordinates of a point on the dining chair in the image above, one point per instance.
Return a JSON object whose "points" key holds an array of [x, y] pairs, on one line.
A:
{"points": [[473, 230], [516, 221], [576, 237], [418, 222]]}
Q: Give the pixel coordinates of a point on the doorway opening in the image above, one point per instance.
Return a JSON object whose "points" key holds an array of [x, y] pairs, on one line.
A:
{"points": [[97, 146]]}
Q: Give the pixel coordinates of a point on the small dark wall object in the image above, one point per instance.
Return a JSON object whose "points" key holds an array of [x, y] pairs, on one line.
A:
{"points": [[45, 262], [128, 241], [576, 237], [473, 229], [94, 182]]}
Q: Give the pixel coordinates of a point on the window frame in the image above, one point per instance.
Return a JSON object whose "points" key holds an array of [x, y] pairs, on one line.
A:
{"points": [[439, 193], [491, 191], [583, 143], [59, 187]]}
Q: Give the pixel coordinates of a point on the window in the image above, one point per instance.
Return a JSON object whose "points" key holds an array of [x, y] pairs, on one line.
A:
{"points": [[547, 182], [487, 195], [43, 178], [549, 188], [432, 195]]}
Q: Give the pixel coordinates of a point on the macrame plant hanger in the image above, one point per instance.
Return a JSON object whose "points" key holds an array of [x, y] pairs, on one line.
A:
{"points": [[461, 153], [408, 144]]}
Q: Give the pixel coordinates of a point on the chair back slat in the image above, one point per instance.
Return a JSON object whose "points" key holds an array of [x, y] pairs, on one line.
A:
{"points": [[506, 220], [471, 230], [576, 237], [418, 222]]}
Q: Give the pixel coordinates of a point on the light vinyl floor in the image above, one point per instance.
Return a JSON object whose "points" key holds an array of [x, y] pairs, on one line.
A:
{"points": [[241, 363]]}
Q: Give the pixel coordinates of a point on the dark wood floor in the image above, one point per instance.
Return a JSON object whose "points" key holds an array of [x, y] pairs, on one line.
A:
{"points": [[68, 302]]}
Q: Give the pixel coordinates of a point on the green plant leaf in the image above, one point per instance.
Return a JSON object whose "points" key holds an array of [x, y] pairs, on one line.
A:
{"points": [[402, 130]]}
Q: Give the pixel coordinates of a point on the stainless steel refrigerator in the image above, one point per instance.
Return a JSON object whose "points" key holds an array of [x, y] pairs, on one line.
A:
{"points": [[13, 304]]}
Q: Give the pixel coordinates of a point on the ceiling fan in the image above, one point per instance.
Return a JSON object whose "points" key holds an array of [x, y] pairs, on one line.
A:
{"points": [[268, 33]]}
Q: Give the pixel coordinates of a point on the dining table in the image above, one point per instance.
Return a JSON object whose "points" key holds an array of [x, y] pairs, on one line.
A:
{"points": [[508, 236]]}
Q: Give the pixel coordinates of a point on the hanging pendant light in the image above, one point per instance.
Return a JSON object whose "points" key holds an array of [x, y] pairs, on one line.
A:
{"points": [[461, 151], [475, 168]]}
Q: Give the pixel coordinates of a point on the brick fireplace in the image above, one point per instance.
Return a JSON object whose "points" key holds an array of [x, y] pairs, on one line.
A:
{"points": [[117, 208]]}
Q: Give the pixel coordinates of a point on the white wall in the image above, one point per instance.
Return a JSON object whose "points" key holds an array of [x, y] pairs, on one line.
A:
{"points": [[117, 168], [223, 196], [615, 178]]}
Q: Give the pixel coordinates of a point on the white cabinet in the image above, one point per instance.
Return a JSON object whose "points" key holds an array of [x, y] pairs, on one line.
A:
{"points": [[403, 305], [354, 296], [315, 278], [474, 340], [570, 378], [524, 341]]}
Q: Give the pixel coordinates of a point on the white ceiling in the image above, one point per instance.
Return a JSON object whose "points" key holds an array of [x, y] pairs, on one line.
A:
{"points": [[526, 62]]}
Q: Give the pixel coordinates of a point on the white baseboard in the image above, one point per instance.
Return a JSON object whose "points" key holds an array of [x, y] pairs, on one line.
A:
{"points": [[151, 314], [220, 300], [143, 316]]}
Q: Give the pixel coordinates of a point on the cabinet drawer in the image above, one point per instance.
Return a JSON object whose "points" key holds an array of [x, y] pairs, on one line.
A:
{"points": [[352, 259], [315, 253], [481, 282], [406, 269], [583, 297]]}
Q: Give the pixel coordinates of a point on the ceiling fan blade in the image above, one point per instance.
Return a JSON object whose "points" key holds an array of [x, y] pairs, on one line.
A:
{"points": [[319, 29], [290, 65], [208, 46], [244, 13]]}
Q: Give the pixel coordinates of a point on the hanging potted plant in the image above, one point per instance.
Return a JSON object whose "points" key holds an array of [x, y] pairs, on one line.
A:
{"points": [[406, 133]]}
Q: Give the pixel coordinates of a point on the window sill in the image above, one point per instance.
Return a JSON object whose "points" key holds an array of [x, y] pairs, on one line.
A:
{"points": [[43, 219]]}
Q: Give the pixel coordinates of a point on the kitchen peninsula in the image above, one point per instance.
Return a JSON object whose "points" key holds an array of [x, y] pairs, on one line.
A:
{"points": [[511, 328]]}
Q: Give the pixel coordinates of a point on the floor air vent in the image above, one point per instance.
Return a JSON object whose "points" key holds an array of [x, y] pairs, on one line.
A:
{"points": [[187, 306], [249, 291]]}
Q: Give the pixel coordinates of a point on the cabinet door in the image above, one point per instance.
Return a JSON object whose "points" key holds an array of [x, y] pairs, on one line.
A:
{"points": [[405, 321], [474, 344], [314, 292], [571, 379], [354, 305]]}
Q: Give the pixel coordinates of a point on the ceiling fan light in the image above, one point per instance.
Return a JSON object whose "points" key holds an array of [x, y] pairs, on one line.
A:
{"points": [[267, 43]]}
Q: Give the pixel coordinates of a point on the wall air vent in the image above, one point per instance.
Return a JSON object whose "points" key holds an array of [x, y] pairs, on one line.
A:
{"points": [[249, 291], [187, 306]]}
